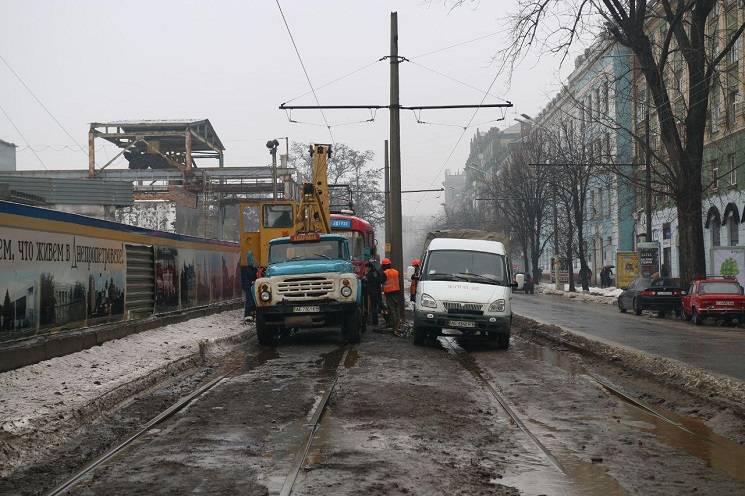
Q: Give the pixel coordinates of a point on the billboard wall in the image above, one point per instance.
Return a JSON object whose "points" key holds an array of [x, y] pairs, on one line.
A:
{"points": [[728, 261], [627, 268]]}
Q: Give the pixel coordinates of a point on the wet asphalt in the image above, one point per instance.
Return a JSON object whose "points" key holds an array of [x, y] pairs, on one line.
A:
{"points": [[710, 347]]}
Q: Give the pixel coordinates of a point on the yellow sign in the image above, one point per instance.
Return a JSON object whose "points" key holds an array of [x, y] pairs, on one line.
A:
{"points": [[627, 268]]}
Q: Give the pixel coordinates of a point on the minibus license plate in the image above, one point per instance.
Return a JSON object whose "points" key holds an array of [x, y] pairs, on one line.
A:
{"points": [[461, 323], [307, 309]]}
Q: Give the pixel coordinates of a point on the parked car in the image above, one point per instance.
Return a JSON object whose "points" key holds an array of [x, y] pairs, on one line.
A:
{"points": [[663, 295], [717, 297]]}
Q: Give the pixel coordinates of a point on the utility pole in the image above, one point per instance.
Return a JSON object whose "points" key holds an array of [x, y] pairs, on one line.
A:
{"points": [[648, 175], [272, 145], [397, 253], [387, 200]]}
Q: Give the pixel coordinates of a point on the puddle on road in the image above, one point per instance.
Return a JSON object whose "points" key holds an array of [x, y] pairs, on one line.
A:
{"points": [[351, 359]]}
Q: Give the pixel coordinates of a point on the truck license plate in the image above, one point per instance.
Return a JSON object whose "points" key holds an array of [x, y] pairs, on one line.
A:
{"points": [[306, 309], [461, 323], [725, 303]]}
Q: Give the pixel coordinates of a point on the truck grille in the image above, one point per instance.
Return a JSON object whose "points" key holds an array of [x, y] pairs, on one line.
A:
{"points": [[305, 287], [458, 307]]}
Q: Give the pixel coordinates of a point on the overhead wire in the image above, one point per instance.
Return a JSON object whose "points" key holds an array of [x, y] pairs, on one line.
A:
{"points": [[23, 137], [305, 71], [425, 54], [42, 105], [336, 80]]}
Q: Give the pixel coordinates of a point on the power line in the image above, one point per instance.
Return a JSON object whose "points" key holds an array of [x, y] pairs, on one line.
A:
{"points": [[307, 77], [336, 80], [457, 44], [23, 137], [42, 105], [451, 78]]}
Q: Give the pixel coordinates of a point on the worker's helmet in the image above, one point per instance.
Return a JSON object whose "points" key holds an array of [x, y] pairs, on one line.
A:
{"points": [[386, 261], [415, 262]]}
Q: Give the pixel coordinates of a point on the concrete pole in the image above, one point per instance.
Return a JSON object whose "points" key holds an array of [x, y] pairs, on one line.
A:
{"points": [[395, 158], [273, 151], [91, 153], [387, 200]]}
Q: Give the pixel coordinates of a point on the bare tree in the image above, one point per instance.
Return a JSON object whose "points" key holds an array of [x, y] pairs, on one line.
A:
{"points": [[351, 167], [520, 194], [654, 30]]}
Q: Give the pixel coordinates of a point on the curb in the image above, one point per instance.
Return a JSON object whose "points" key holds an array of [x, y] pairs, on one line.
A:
{"points": [[725, 391], [25, 448]]}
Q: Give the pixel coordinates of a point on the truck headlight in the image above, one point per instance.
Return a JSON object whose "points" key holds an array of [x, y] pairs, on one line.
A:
{"points": [[265, 296], [496, 306], [428, 301], [346, 291]]}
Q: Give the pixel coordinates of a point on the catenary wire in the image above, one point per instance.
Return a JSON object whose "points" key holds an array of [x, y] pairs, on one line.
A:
{"points": [[457, 44], [23, 137], [336, 80], [451, 78], [307, 77], [42, 105]]}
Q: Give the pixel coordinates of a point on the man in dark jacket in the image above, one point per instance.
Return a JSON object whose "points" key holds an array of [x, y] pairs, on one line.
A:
{"points": [[248, 277], [373, 285]]}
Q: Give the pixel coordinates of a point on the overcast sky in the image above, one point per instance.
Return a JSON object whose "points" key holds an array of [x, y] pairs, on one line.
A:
{"points": [[232, 62]]}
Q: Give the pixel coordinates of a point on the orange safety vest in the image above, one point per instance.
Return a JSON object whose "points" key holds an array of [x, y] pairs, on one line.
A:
{"points": [[391, 281]]}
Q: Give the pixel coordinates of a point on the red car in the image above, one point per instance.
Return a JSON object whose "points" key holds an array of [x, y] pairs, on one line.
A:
{"points": [[716, 297]]}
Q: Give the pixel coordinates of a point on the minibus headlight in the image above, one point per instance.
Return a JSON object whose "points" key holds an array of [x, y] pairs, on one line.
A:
{"points": [[497, 306], [428, 301]]}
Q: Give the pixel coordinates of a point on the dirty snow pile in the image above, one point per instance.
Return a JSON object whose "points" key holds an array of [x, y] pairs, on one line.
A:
{"points": [[38, 399], [605, 296]]}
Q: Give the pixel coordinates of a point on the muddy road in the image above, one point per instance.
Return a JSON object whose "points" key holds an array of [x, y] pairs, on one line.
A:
{"points": [[446, 419]]}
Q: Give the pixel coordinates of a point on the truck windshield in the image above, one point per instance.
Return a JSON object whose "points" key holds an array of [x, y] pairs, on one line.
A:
{"points": [[330, 249], [464, 265]]}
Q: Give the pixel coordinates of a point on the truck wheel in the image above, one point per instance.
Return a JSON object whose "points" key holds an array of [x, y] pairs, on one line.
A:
{"points": [[265, 334], [351, 326], [420, 335]]}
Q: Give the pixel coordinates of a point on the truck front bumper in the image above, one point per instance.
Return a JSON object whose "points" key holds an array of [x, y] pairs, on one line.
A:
{"points": [[296, 314], [467, 324]]}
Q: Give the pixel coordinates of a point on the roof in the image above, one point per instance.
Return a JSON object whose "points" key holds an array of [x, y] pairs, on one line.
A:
{"points": [[3, 142], [155, 127], [467, 245]]}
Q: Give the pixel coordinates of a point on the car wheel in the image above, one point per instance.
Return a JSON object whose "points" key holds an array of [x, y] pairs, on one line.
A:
{"points": [[620, 306], [265, 334], [637, 308], [420, 335], [696, 318]]}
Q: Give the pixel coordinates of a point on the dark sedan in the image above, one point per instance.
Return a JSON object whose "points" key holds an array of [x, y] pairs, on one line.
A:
{"points": [[663, 295]]}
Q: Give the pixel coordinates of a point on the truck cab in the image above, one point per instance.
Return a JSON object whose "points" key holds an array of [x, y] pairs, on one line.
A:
{"points": [[309, 282]]}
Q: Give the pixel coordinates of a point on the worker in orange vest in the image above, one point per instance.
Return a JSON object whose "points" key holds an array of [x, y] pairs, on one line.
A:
{"points": [[392, 292], [412, 289]]}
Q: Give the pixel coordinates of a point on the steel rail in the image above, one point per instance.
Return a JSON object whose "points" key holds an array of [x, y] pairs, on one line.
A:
{"points": [[476, 372], [164, 415], [312, 426]]}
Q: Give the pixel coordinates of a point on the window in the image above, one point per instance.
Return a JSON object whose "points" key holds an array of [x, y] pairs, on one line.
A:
{"points": [[606, 101], [601, 204], [278, 215], [666, 231], [715, 233], [324, 249], [592, 204], [250, 216], [465, 265], [732, 170], [733, 228], [610, 208], [714, 109], [714, 175], [596, 92]]}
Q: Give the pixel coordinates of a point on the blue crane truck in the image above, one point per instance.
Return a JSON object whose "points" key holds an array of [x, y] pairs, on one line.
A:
{"points": [[309, 282]]}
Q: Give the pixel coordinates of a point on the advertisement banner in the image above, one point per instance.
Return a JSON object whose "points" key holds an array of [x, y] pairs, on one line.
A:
{"points": [[627, 268], [728, 261], [51, 280], [649, 258]]}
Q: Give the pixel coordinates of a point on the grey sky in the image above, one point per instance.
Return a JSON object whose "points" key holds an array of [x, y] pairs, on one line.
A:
{"points": [[232, 62]]}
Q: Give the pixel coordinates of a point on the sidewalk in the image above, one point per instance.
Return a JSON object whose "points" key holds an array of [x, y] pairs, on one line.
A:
{"points": [[604, 296]]}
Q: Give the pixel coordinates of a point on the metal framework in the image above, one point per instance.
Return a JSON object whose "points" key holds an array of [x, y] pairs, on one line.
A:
{"points": [[156, 144]]}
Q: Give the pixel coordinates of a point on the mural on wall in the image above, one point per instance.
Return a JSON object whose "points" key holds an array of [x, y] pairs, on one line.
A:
{"points": [[166, 279], [53, 280]]}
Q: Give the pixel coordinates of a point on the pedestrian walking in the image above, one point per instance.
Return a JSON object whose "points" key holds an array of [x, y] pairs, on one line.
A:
{"points": [[392, 292], [374, 279]]}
